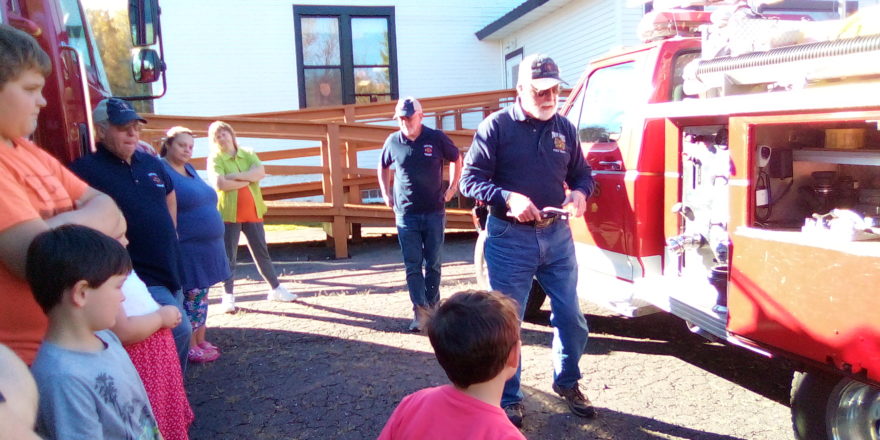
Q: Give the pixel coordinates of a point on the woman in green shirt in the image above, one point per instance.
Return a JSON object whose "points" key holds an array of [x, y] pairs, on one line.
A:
{"points": [[235, 173]]}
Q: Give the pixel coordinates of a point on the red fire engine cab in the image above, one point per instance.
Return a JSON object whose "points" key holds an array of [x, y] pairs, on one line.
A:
{"points": [[738, 170], [78, 80]]}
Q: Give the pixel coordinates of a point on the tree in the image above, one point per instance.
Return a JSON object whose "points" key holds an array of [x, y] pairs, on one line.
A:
{"points": [[111, 31]]}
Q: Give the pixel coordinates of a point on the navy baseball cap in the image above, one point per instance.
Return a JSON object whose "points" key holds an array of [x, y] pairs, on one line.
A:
{"points": [[407, 107], [539, 71], [116, 111]]}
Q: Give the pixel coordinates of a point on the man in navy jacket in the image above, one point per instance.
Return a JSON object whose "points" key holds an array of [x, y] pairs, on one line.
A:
{"points": [[522, 160]]}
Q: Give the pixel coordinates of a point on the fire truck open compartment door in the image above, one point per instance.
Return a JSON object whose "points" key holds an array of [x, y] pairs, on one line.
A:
{"points": [[807, 292]]}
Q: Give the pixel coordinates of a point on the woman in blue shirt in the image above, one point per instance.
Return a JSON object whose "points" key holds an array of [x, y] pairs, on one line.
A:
{"points": [[200, 229]]}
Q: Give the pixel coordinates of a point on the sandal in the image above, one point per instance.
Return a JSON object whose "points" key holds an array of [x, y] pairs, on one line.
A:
{"points": [[198, 355], [205, 345]]}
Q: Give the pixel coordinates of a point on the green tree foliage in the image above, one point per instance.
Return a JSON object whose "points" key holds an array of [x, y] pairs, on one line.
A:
{"points": [[112, 32]]}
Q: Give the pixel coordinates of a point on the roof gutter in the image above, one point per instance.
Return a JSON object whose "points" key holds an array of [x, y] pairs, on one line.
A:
{"points": [[508, 18]]}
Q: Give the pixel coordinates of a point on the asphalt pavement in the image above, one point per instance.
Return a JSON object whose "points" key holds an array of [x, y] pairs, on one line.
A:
{"points": [[335, 363]]}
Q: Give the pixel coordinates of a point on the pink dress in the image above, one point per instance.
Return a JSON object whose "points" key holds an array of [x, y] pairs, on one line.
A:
{"points": [[155, 360]]}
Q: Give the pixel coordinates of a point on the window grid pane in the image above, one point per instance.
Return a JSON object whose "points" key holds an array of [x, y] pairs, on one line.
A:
{"points": [[320, 41], [323, 87], [370, 41]]}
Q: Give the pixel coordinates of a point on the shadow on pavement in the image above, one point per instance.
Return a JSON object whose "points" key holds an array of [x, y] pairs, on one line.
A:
{"points": [[292, 385], [307, 266], [547, 417], [665, 334]]}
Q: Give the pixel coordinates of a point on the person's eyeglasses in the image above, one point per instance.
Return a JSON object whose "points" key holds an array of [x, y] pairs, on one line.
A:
{"points": [[134, 126], [545, 93]]}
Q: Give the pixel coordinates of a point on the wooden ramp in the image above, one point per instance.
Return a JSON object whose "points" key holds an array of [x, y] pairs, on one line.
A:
{"points": [[334, 136]]}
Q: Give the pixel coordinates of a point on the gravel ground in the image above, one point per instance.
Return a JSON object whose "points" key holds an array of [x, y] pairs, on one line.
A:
{"points": [[335, 363]]}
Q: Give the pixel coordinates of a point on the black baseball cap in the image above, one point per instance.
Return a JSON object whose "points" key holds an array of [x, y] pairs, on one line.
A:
{"points": [[117, 111], [539, 71]]}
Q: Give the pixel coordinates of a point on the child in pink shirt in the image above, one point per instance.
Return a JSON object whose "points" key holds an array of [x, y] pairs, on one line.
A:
{"points": [[475, 335]]}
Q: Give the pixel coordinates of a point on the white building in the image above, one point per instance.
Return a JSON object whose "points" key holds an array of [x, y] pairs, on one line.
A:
{"points": [[233, 57]]}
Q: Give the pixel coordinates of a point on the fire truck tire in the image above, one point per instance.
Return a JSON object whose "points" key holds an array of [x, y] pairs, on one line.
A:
{"points": [[537, 296], [809, 399], [825, 406]]}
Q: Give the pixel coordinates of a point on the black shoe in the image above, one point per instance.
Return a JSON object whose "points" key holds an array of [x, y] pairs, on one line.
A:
{"points": [[579, 404], [514, 413]]}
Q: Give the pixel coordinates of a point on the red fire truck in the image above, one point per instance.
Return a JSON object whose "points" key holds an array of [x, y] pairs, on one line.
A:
{"points": [[739, 189], [78, 80]]}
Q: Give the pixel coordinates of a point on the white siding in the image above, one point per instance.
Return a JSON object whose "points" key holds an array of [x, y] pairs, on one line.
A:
{"points": [[229, 56], [576, 33]]}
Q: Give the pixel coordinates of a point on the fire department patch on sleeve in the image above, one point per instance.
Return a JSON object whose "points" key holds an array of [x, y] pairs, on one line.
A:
{"points": [[156, 180], [558, 142], [429, 150]]}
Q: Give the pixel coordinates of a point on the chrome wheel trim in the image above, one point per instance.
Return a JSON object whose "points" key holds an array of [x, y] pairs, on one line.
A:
{"points": [[854, 411]]}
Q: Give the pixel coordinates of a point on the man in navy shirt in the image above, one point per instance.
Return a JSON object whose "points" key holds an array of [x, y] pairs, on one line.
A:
{"points": [[144, 192], [419, 200], [521, 160]]}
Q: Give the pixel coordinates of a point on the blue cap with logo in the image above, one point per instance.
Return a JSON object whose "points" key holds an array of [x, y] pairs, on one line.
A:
{"points": [[116, 111]]}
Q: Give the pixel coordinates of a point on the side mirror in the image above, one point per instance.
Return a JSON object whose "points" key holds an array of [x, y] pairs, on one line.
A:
{"points": [[143, 15], [146, 66]]}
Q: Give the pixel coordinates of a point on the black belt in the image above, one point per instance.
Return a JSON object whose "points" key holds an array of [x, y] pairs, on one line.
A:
{"points": [[537, 224]]}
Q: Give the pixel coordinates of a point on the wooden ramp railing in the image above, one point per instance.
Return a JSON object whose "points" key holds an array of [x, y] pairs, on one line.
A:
{"points": [[335, 136]]}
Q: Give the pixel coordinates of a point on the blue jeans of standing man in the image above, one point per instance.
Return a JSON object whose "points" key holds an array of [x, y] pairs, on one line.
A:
{"points": [[421, 242], [515, 254], [183, 331]]}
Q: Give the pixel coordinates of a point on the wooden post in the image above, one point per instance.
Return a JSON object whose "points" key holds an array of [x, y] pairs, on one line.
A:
{"points": [[337, 187], [354, 191], [326, 187], [438, 120]]}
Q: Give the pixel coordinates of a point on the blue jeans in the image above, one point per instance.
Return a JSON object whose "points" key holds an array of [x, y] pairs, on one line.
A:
{"points": [[515, 254], [183, 331], [421, 241]]}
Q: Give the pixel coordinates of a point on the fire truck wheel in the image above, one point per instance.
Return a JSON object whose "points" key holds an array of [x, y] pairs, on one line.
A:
{"points": [[825, 406], [537, 296]]}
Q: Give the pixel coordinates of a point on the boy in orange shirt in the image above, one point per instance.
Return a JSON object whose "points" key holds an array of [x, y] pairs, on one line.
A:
{"points": [[36, 191], [475, 335]]}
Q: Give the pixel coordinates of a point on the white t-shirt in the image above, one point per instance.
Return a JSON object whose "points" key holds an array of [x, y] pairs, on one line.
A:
{"points": [[138, 300]]}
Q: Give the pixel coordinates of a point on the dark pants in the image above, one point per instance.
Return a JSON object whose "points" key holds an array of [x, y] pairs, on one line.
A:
{"points": [[256, 241], [421, 242], [183, 331]]}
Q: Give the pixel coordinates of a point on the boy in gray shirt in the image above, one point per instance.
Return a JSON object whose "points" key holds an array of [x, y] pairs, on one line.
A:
{"points": [[89, 388]]}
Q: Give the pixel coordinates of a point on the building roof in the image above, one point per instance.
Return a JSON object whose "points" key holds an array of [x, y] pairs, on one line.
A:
{"points": [[519, 17]]}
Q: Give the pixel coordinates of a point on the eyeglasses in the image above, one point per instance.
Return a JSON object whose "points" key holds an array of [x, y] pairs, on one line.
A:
{"points": [[134, 126], [546, 92]]}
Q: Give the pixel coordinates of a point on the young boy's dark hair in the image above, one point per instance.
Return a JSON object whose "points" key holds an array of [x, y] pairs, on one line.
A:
{"points": [[59, 258], [472, 333], [18, 53]]}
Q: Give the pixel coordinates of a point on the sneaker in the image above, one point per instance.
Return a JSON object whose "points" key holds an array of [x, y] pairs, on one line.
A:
{"points": [[205, 345], [281, 294], [200, 356], [514, 413], [579, 404], [227, 304], [414, 326]]}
